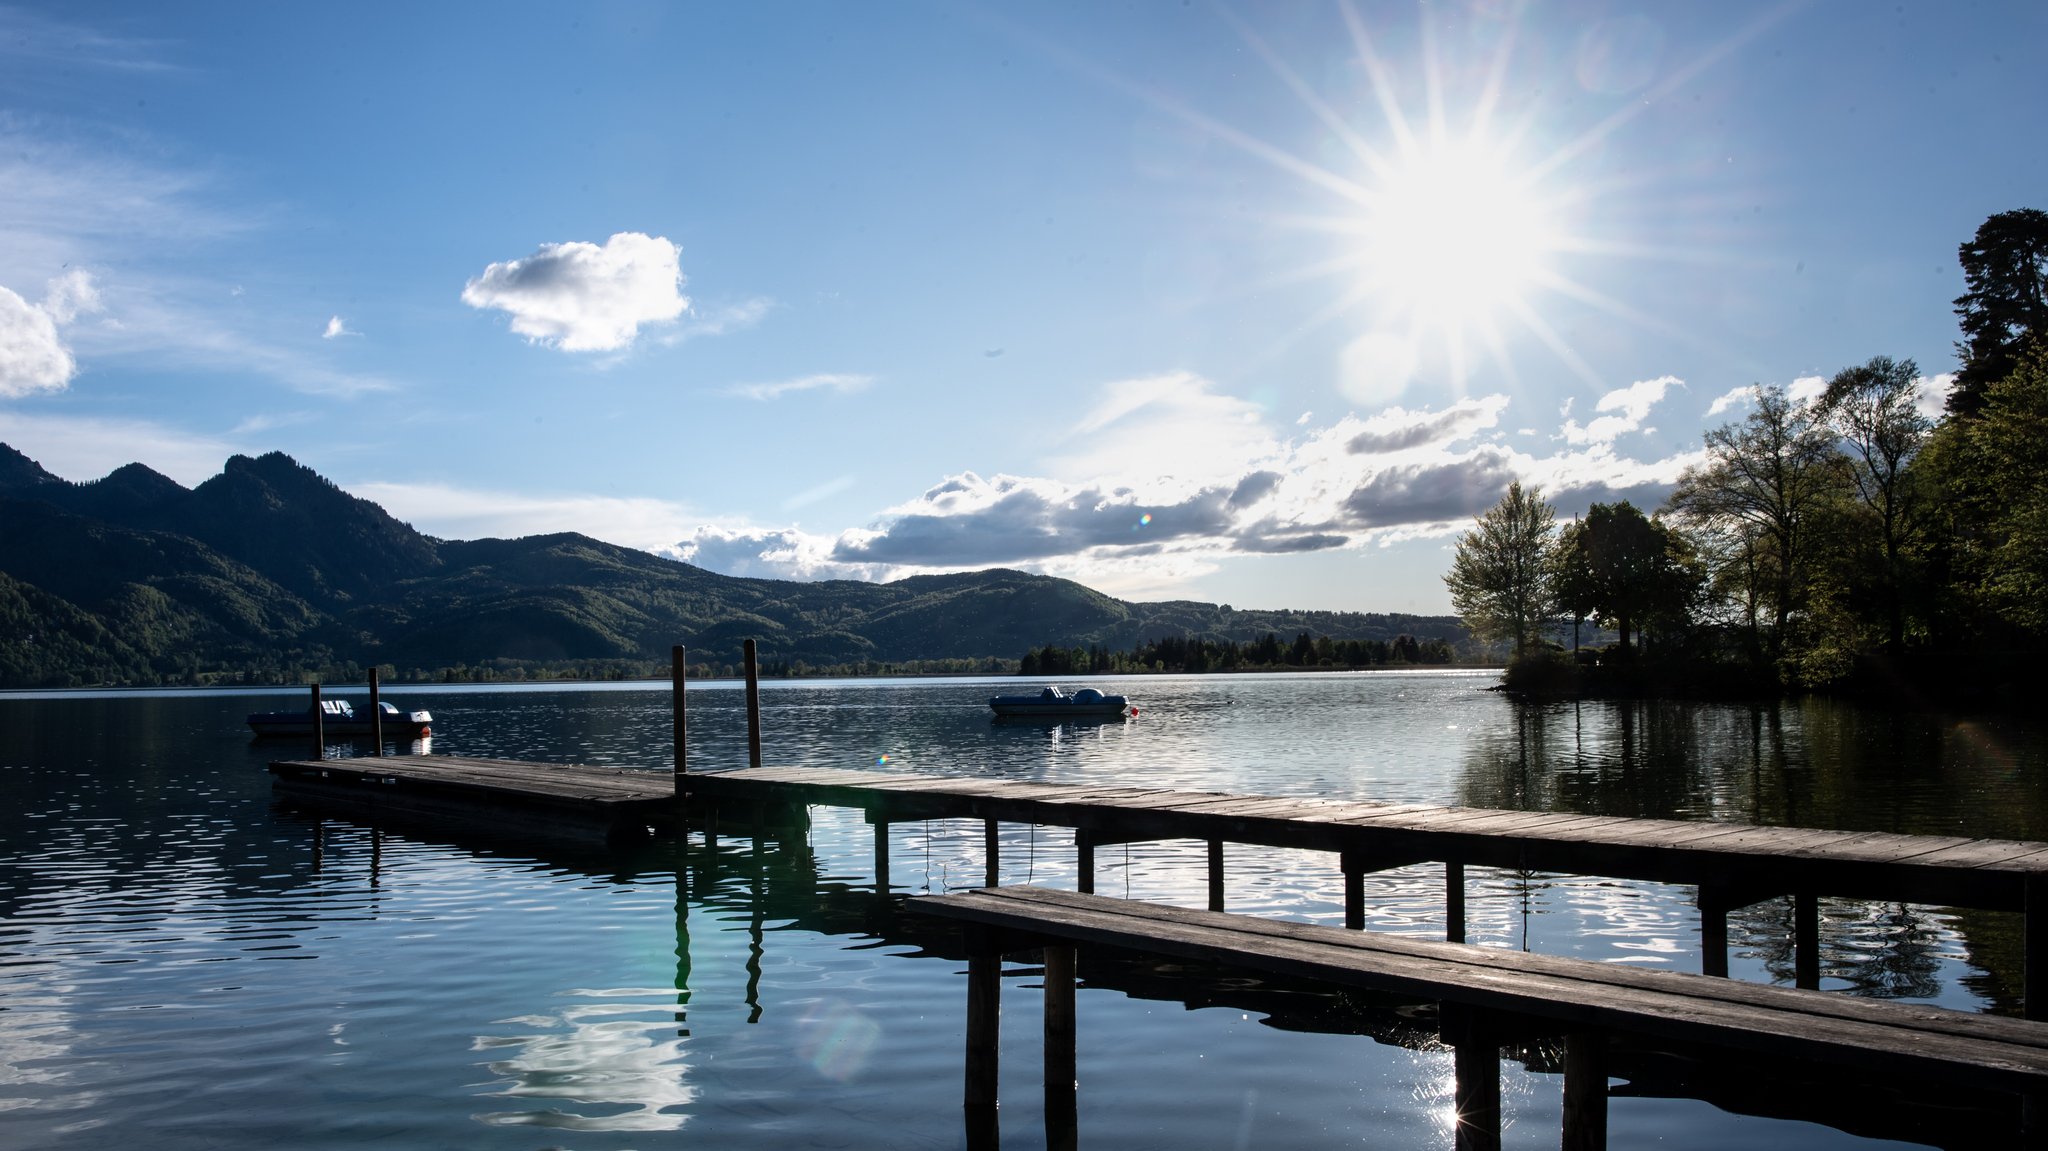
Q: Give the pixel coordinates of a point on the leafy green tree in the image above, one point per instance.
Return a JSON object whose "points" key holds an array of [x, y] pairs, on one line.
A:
{"points": [[1758, 504], [1623, 568], [2005, 266], [1872, 409], [1500, 579], [1994, 474]]}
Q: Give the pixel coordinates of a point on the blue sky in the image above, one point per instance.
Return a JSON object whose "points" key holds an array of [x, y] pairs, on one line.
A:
{"points": [[1243, 303]]}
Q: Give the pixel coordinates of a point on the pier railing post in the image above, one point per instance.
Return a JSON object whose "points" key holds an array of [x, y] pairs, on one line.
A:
{"points": [[319, 728], [753, 706], [1062, 1119], [376, 717]]}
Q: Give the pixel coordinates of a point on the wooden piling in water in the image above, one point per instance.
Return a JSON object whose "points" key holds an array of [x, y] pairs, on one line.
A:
{"points": [[1806, 940], [376, 718], [991, 850], [1475, 1094], [1215, 875], [1354, 889], [984, 1034], [1454, 902], [1585, 1091], [1084, 851], [677, 673], [319, 728], [881, 857], [753, 705]]}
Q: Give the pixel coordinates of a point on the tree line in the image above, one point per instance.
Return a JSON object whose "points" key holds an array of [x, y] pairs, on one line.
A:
{"points": [[1846, 539], [1268, 652]]}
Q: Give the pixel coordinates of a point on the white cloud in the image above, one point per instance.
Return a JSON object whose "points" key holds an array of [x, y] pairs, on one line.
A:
{"points": [[471, 513], [1930, 394], [1732, 398], [336, 328], [582, 297], [1632, 405], [835, 381], [1398, 429], [1170, 428], [1807, 389], [34, 356], [720, 320]]}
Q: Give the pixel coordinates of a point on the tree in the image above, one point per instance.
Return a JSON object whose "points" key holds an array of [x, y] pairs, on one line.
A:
{"points": [[1757, 502], [1624, 568], [1500, 580], [1872, 409], [1994, 471], [2005, 267]]}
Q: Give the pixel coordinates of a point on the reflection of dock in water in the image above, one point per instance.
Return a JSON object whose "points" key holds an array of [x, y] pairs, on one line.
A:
{"points": [[773, 882]]}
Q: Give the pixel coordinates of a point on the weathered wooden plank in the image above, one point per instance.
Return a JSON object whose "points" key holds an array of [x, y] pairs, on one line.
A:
{"points": [[1954, 1046]]}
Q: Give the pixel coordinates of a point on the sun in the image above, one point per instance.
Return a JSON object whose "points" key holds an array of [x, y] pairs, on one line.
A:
{"points": [[1453, 232]]}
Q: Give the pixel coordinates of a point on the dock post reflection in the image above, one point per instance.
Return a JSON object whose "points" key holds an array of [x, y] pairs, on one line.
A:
{"points": [[1062, 1116], [682, 1013], [1585, 1091], [984, 1025], [1475, 1097]]}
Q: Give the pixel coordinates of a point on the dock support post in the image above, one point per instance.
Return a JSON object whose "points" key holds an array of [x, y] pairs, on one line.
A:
{"points": [[984, 1023], [991, 849], [376, 717], [319, 728], [753, 705], [881, 857], [2034, 982], [1806, 940], [1454, 901], [1062, 1118], [1084, 849], [1713, 903], [1585, 1091], [1354, 891], [678, 669], [1215, 875], [1475, 1096]]}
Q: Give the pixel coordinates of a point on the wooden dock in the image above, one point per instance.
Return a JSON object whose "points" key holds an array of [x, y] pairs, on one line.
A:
{"points": [[1487, 996], [554, 801], [1732, 865]]}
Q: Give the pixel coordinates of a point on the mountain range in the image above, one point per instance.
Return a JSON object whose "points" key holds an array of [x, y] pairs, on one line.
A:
{"points": [[270, 571]]}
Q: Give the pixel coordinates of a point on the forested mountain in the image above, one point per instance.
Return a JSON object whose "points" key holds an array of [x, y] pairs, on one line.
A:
{"points": [[267, 572]]}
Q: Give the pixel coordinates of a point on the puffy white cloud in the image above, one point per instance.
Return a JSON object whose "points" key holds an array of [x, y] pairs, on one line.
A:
{"points": [[337, 328], [33, 354], [834, 381], [1930, 394], [1398, 429], [1732, 398], [1632, 405], [766, 553], [583, 297]]}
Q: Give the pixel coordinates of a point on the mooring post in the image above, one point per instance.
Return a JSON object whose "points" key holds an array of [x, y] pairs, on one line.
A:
{"points": [[1084, 851], [376, 717], [2034, 978], [1354, 890], [1454, 901], [881, 857], [1806, 940], [1062, 1117], [1713, 904], [1475, 1095], [991, 850], [677, 672], [1215, 875], [984, 1028], [319, 728], [1585, 1091], [753, 705]]}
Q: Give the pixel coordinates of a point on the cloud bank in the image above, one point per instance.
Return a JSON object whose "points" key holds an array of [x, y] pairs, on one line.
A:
{"points": [[583, 297]]}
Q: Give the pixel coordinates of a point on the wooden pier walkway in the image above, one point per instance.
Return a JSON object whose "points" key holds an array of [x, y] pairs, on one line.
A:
{"points": [[550, 800], [1488, 995], [1732, 865]]}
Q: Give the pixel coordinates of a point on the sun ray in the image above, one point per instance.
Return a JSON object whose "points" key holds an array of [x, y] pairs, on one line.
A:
{"points": [[1382, 80], [1314, 103]]}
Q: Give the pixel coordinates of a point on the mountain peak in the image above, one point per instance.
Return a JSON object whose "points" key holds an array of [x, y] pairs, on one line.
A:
{"points": [[20, 475]]}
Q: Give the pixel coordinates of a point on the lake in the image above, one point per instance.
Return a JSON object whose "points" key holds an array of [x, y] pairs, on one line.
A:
{"points": [[186, 964]]}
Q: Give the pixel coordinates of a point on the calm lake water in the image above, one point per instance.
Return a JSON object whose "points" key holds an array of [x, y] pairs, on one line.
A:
{"points": [[185, 964]]}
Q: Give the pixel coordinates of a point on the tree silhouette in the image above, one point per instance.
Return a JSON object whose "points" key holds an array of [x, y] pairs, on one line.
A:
{"points": [[1500, 579], [2006, 268]]}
